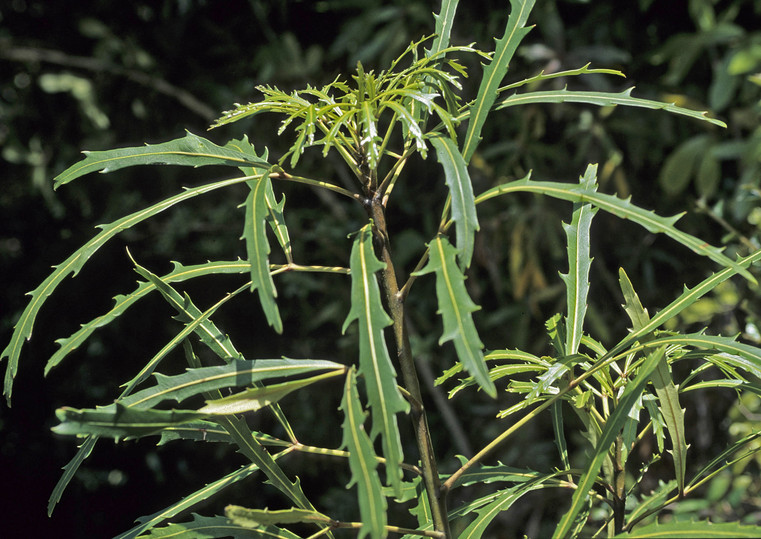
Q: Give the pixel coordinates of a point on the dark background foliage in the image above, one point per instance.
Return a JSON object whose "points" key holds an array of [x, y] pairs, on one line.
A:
{"points": [[96, 75]]}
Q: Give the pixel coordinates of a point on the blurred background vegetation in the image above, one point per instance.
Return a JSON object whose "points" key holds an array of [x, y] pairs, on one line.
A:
{"points": [[94, 75]]}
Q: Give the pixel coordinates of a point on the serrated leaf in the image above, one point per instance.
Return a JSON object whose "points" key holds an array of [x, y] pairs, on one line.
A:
{"points": [[461, 195], [362, 462], [602, 99], [119, 421], [69, 470], [123, 301], [653, 500], [237, 373], [504, 500], [579, 262], [72, 265], [613, 426], [680, 166], [203, 527], [200, 496], [673, 414], [256, 398], [384, 398], [624, 209], [276, 220], [494, 72], [690, 530], [444, 22], [455, 308], [253, 518], [632, 305], [258, 249], [190, 150]]}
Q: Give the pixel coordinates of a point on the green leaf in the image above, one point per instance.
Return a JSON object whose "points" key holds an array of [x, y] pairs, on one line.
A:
{"points": [[276, 220], [69, 470], [200, 496], [602, 99], [455, 308], [253, 518], [690, 530], [258, 249], [613, 426], [444, 22], [123, 302], [119, 421], [494, 72], [256, 398], [632, 305], [679, 167], [653, 500], [673, 414], [579, 262], [375, 365], [191, 150], [362, 462], [504, 500], [461, 193], [202, 527], [72, 265], [237, 373], [624, 209]]}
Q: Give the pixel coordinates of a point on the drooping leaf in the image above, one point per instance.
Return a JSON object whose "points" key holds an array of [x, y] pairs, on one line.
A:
{"points": [[254, 518], [461, 195], [258, 249], [579, 262], [602, 99], [624, 209], [613, 426], [362, 462], [384, 398], [199, 496], [72, 265], [690, 530], [190, 150], [69, 470], [456, 308], [202, 527], [673, 414], [494, 72]]}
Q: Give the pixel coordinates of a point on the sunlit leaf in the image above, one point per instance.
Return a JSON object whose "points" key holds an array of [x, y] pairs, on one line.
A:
{"points": [[602, 99], [579, 262], [253, 518], [456, 308], [461, 193], [72, 265], [258, 249], [362, 462], [375, 365], [191, 150], [690, 530], [613, 425], [202, 527], [444, 22], [494, 72]]}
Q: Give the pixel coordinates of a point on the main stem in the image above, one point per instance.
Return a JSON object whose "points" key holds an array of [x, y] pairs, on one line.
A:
{"points": [[395, 300]]}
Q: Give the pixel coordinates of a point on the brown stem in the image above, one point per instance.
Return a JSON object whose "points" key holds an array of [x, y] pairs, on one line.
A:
{"points": [[431, 481]]}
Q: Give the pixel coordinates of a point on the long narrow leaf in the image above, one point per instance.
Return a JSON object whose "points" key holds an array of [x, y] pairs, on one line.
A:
{"points": [[201, 495], [190, 150], [362, 462], [456, 308], [253, 518], [494, 72], [69, 470], [122, 302], [673, 414], [579, 262], [258, 249], [601, 99], [72, 265], [613, 426], [624, 209], [690, 530], [375, 365], [444, 22], [461, 193], [202, 527]]}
